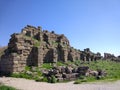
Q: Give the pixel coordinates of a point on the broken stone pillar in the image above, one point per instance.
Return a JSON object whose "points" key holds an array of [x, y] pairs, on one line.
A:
{"points": [[40, 56], [88, 57], [55, 55], [65, 55], [84, 59]]}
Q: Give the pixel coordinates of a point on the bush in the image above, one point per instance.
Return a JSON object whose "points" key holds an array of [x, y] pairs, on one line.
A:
{"points": [[77, 62], [22, 75], [47, 65], [16, 75], [3, 87], [53, 79], [44, 79], [27, 68], [38, 79], [60, 63], [81, 77], [78, 81]]}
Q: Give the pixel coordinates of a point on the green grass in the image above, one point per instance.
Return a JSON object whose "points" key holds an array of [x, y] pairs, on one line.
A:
{"points": [[60, 64], [27, 68], [47, 65], [22, 75], [4, 87], [112, 68]]}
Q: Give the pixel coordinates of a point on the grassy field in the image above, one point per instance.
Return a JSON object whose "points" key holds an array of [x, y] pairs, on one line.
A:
{"points": [[110, 67]]}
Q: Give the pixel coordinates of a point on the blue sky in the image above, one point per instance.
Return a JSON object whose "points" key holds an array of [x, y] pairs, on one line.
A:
{"points": [[86, 23]]}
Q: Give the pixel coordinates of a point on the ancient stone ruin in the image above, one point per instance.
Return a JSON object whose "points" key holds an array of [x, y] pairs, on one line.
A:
{"points": [[109, 56], [34, 46]]}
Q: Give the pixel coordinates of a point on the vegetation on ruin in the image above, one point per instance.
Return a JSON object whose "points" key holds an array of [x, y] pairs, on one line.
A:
{"points": [[47, 65], [30, 73], [54, 43], [112, 69], [36, 42]]}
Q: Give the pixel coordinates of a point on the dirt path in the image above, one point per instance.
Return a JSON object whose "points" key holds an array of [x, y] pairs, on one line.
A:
{"points": [[24, 84]]}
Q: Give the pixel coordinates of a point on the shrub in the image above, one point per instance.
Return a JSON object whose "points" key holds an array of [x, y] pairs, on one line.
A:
{"points": [[27, 68], [44, 79], [78, 81], [3, 87], [22, 75], [47, 65], [53, 79], [81, 77], [60, 63], [16, 75], [38, 79], [77, 62]]}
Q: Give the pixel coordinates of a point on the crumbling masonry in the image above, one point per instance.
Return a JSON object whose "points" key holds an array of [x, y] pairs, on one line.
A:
{"points": [[34, 46]]}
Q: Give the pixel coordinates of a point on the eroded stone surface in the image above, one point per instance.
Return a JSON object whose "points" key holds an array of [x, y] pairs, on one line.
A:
{"points": [[34, 46]]}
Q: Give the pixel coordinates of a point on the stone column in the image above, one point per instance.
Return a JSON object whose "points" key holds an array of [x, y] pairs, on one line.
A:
{"points": [[40, 56], [55, 55], [65, 55]]}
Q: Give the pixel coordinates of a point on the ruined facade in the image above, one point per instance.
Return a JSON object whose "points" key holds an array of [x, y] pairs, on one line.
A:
{"points": [[87, 55], [34, 46], [109, 56]]}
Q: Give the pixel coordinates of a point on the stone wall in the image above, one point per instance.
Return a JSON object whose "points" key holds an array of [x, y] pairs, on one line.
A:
{"points": [[87, 55], [108, 56], [34, 46]]}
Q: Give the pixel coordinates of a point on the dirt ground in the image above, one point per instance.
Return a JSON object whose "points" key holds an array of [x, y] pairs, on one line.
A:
{"points": [[23, 84]]}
